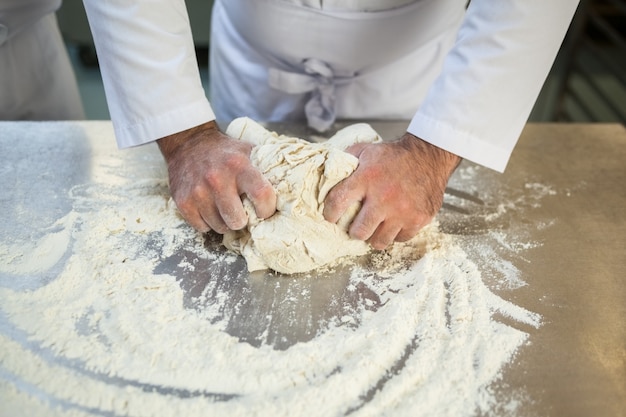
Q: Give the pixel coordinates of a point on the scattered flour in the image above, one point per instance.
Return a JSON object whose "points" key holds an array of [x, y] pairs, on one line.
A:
{"points": [[49, 250], [109, 336]]}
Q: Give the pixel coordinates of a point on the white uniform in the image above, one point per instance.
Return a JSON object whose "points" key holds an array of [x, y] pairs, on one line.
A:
{"points": [[36, 78], [467, 80]]}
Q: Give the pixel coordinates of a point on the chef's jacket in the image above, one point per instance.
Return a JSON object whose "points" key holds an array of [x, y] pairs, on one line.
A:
{"points": [[467, 79]]}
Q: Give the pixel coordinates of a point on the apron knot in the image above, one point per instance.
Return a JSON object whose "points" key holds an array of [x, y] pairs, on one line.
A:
{"points": [[316, 78]]}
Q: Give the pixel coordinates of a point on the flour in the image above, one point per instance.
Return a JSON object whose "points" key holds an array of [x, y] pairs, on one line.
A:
{"points": [[48, 251], [117, 333]]}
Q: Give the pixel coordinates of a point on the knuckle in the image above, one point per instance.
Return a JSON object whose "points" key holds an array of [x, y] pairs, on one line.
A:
{"points": [[185, 206], [235, 160], [360, 231], [404, 206], [331, 206], [263, 192], [213, 178], [341, 197]]}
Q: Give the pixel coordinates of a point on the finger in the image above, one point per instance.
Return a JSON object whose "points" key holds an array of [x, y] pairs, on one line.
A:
{"points": [[384, 235], [366, 222], [214, 221], [203, 216], [260, 191], [340, 198], [204, 220], [201, 212], [197, 222], [189, 209], [230, 211], [408, 233]]}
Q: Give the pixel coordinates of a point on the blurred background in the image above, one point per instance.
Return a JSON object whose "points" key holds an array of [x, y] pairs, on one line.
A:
{"points": [[587, 82]]}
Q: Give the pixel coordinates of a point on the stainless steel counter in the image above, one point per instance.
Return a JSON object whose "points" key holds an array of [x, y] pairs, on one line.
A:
{"points": [[575, 363]]}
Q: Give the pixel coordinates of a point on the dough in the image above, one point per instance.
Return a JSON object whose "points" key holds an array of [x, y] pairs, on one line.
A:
{"points": [[297, 238]]}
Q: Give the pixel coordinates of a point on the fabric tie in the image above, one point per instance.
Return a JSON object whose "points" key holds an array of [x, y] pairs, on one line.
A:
{"points": [[317, 79]]}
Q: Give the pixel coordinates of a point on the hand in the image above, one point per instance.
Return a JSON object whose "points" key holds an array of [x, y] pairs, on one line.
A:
{"points": [[208, 174], [400, 186]]}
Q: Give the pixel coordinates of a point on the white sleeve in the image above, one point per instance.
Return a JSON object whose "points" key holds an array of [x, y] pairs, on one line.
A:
{"points": [[149, 69], [491, 78]]}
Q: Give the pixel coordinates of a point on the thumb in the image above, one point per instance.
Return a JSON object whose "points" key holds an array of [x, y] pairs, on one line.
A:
{"points": [[356, 149]]}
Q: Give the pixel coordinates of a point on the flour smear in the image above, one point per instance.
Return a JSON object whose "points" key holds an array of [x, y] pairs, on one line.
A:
{"points": [[114, 335]]}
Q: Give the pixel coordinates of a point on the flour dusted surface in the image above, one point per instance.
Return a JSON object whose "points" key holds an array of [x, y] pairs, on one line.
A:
{"points": [[128, 327]]}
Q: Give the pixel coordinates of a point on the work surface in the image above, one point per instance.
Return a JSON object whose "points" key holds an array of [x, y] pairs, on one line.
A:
{"points": [[548, 236]]}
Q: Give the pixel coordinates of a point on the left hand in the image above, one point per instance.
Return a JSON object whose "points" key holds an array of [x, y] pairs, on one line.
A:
{"points": [[400, 185], [208, 173]]}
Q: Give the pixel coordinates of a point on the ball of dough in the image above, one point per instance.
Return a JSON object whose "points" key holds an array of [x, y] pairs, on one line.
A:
{"points": [[297, 238]]}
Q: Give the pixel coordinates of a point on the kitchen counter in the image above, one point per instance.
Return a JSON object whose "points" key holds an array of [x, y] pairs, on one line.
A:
{"points": [[562, 199]]}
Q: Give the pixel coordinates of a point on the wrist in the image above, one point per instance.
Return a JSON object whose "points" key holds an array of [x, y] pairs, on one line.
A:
{"points": [[171, 144], [445, 161]]}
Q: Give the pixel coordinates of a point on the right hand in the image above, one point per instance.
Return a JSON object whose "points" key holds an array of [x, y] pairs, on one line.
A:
{"points": [[400, 185], [208, 173]]}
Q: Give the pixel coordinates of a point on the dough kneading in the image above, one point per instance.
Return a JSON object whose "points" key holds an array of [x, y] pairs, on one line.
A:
{"points": [[297, 238]]}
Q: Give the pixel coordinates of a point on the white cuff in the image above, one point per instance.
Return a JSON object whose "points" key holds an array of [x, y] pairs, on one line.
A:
{"points": [[459, 142], [156, 127]]}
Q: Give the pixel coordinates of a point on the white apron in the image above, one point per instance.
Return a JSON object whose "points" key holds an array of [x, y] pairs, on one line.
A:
{"points": [[275, 61]]}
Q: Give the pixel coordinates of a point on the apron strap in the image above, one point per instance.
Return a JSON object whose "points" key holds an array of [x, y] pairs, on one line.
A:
{"points": [[318, 79]]}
